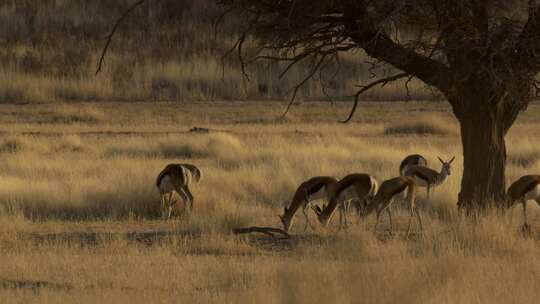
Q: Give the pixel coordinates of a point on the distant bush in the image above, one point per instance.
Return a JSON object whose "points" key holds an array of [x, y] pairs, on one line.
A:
{"points": [[422, 126], [524, 159], [76, 114]]}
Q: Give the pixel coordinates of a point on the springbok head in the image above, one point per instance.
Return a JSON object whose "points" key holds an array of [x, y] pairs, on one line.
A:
{"points": [[446, 165], [320, 216]]}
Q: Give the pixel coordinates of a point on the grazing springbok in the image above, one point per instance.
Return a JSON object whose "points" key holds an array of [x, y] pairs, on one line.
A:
{"points": [[525, 188], [427, 177], [357, 188], [315, 188], [176, 178], [411, 160], [388, 191]]}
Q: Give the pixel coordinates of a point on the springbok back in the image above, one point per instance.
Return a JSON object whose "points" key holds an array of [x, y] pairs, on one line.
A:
{"points": [[412, 160], [176, 178]]}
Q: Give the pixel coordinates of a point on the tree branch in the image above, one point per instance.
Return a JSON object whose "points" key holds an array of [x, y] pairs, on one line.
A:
{"points": [[378, 45], [113, 30], [367, 87], [314, 70], [527, 52]]}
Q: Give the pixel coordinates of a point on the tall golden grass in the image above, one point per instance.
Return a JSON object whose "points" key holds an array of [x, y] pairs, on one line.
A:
{"points": [[78, 208], [165, 51]]}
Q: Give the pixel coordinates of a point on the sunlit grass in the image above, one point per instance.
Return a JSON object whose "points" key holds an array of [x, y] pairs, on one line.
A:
{"points": [[78, 208]]}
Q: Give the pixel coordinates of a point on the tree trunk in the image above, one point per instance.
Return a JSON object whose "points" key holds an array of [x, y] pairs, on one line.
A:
{"points": [[484, 162], [483, 128]]}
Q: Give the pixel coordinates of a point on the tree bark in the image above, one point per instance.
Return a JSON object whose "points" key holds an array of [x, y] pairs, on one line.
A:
{"points": [[483, 129]]}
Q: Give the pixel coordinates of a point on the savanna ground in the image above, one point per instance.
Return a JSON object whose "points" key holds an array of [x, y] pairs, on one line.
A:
{"points": [[78, 217]]}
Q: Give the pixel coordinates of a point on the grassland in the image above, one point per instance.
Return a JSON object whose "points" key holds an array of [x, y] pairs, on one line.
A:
{"points": [[78, 207], [166, 50]]}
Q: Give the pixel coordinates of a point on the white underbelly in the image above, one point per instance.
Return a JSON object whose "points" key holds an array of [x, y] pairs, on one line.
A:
{"points": [[166, 185], [419, 182], [405, 168], [319, 195], [533, 194], [348, 194]]}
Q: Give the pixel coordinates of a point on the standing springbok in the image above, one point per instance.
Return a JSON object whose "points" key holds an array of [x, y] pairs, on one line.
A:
{"points": [[176, 178], [525, 188], [411, 160], [315, 188], [388, 191], [358, 188], [429, 178]]}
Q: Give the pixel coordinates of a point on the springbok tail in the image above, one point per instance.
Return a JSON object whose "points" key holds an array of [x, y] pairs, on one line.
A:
{"points": [[374, 186]]}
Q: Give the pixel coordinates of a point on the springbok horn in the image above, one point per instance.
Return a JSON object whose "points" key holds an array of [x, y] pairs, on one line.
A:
{"points": [[450, 161], [442, 161]]}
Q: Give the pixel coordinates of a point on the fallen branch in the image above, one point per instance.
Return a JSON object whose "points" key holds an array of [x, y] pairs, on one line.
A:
{"points": [[266, 230]]}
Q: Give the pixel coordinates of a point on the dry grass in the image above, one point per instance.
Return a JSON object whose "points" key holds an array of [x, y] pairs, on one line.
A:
{"points": [[78, 208], [429, 124], [166, 51]]}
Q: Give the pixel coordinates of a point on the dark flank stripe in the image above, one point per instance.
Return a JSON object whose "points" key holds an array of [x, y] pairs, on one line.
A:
{"points": [[343, 186], [421, 176], [316, 187], [165, 172], [530, 186], [350, 180], [400, 189], [160, 177], [413, 160]]}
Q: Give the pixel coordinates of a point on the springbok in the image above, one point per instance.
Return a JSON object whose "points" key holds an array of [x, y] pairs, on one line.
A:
{"points": [[388, 190], [358, 188], [525, 188], [429, 178], [315, 188], [411, 160], [176, 178]]}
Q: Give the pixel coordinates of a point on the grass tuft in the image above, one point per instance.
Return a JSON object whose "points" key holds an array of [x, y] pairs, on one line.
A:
{"points": [[422, 126]]}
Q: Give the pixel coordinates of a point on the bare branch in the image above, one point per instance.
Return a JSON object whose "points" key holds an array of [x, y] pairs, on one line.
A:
{"points": [[379, 46], [528, 49], [365, 88], [113, 30], [314, 70], [219, 19]]}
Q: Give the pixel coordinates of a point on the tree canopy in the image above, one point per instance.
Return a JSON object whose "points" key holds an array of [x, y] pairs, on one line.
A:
{"points": [[433, 40], [482, 55]]}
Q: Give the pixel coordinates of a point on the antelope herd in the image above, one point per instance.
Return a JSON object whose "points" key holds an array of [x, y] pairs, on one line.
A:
{"points": [[362, 191]]}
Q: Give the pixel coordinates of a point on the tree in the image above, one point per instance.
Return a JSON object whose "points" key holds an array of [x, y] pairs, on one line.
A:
{"points": [[481, 55]]}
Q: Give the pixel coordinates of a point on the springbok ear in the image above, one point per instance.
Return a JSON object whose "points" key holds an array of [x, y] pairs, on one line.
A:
{"points": [[450, 161], [440, 159]]}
